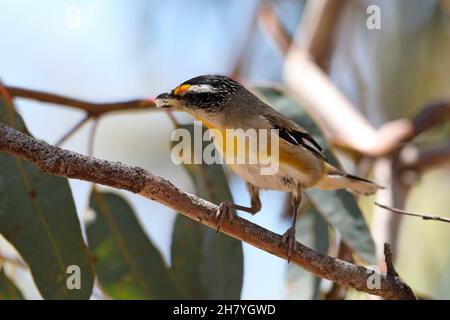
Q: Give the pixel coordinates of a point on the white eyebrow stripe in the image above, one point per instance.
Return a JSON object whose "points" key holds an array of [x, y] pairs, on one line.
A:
{"points": [[202, 88]]}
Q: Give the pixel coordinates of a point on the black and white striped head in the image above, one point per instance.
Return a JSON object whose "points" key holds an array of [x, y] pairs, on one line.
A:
{"points": [[206, 92]]}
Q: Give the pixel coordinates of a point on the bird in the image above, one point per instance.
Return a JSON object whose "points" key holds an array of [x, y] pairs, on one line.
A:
{"points": [[223, 104]]}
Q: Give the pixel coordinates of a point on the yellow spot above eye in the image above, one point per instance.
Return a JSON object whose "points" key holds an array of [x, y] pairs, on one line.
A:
{"points": [[181, 89]]}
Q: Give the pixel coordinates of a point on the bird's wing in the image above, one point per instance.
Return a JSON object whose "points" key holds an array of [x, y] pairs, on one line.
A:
{"points": [[292, 132]]}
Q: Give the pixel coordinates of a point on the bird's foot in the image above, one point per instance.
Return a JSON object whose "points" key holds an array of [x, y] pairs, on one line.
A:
{"points": [[225, 211], [288, 239]]}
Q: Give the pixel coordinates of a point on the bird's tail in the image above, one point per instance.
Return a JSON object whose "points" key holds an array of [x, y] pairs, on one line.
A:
{"points": [[337, 179]]}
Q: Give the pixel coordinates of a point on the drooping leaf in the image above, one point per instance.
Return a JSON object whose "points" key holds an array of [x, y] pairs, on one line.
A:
{"points": [[312, 230], [8, 290], [127, 264], [186, 255], [201, 256], [352, 226], [38, 217], [338, 207]]}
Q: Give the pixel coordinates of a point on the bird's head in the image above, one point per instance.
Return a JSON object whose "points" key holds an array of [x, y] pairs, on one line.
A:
{"points": [[205, 94]]}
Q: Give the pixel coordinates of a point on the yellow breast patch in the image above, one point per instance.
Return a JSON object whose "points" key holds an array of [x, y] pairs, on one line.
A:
{"points": [[222, 141]]}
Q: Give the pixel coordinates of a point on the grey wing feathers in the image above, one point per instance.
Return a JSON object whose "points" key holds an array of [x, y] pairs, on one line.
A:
{"points": [[293, 133]]}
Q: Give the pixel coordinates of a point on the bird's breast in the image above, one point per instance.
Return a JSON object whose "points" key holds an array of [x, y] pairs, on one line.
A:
{"points": [[247, 154]]}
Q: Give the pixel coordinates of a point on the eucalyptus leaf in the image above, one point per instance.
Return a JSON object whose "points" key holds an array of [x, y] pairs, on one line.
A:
{"points": [[202, 257], [338, 207], [312, 230], [186, 254], [128, 265], [38, 217]]}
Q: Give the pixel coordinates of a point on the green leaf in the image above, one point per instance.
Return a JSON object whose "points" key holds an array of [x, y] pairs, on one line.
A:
{"points": [[8, 290], [38, 217], [201, 256], [312, 230], [341, 210], [128, 265], [186, 254], [338, 207]]}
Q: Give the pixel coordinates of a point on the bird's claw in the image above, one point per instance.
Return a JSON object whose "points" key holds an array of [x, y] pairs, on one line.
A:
{"points": [[225, 211], [288, 239]]}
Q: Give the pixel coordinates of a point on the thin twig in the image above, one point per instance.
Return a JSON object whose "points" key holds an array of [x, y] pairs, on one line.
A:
{"points": [[65, 163], [391, 272], [72, 130], [92, 133], [91, 108], [406, 213]]}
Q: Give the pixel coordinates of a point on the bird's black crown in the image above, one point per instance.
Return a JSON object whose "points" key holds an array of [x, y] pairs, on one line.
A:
{"points": [[211, 91]]}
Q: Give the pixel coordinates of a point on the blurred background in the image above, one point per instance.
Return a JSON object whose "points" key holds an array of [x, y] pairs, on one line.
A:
{"points": [[104, 51]]}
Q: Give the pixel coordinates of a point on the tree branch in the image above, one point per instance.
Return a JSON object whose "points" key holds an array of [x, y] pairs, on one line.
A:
{"points": [[429, 117], [316, 33], [423, 160], [268, 19], [91, 108], [60, 162], [392, 274]]}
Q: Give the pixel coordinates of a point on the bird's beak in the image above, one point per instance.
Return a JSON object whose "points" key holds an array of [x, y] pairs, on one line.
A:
{"points": [[165, 100]]}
